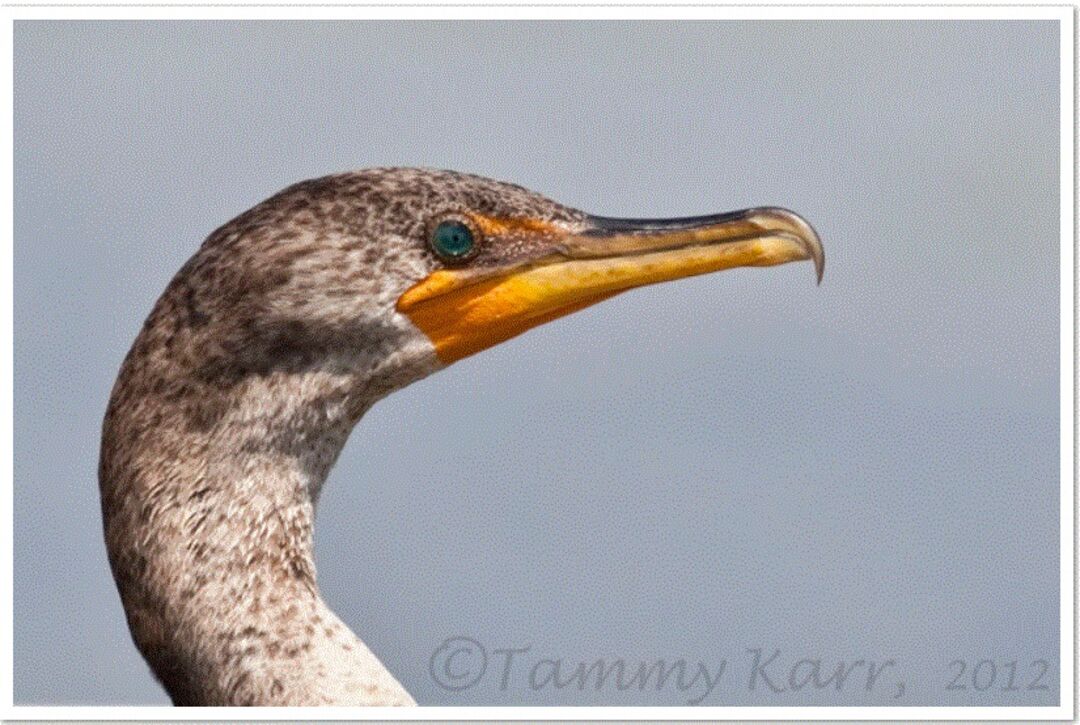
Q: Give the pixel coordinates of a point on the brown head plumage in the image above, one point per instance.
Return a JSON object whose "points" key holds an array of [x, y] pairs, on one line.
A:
{"points": [[286, 325]]}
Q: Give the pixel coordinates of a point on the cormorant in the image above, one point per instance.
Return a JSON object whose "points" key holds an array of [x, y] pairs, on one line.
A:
{"points": [[268, 346]]}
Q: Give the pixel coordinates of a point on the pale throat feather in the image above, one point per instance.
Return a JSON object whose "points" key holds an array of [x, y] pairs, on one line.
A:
{"points": [[220, 580]]}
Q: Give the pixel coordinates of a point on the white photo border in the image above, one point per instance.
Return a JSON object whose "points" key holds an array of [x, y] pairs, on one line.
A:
{"points": [[1064, 14]]}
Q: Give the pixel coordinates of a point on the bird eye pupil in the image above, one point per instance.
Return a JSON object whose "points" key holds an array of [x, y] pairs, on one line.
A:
{"points": [[452, 240]]}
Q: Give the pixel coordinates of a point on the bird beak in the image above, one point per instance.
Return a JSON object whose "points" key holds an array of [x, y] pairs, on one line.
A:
{"points": [[465, 310]]}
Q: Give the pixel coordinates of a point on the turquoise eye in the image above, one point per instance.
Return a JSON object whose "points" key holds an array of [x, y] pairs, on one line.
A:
{"points": [[452, 240]]}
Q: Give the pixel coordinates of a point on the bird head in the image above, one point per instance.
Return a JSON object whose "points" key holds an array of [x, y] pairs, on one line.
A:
{"points": [[403, 271], [271, 342]]}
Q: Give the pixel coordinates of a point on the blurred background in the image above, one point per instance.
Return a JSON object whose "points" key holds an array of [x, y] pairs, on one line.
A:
{"points": [[862, 470]]}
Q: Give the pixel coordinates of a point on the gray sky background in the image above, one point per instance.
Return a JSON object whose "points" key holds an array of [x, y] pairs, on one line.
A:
{"points": [[865, 470]]}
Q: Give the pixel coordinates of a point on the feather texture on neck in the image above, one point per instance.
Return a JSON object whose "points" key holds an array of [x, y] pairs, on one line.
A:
{"points": [[209, 474]]}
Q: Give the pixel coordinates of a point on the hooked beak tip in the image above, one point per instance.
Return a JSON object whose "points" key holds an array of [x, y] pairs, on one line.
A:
{"points": [[798, 229]]}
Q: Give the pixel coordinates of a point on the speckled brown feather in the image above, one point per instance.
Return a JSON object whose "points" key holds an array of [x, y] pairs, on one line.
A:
{"points": [[231, 408]]}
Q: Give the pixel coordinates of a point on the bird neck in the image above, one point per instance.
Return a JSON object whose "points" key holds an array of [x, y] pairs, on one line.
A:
{"points": [[208, 494]]}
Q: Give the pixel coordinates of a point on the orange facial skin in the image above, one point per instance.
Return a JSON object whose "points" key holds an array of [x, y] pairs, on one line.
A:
{"points": [[468, 309]]}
